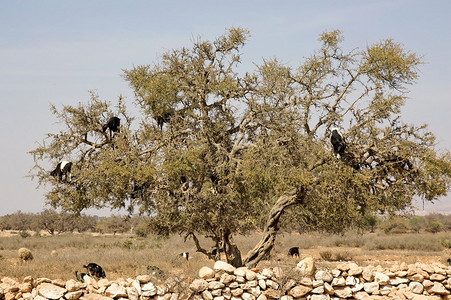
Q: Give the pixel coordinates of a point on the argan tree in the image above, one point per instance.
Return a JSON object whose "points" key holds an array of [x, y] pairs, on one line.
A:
{"points": [[217, 151]]}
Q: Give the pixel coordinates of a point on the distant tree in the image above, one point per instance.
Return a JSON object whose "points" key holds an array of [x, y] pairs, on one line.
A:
{"points": [[220, 152]]}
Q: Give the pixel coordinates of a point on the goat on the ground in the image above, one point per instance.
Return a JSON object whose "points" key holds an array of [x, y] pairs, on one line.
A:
{"points": [[95, 270], [293, 251]]}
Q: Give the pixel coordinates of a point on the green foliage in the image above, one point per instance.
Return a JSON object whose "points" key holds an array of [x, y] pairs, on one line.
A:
{"points": [[214, 147], [416, 223], [445, 243], [434, 226], [395, 225]]}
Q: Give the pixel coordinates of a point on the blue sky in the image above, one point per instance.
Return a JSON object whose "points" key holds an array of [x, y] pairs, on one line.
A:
{"points": [[57, 51]]}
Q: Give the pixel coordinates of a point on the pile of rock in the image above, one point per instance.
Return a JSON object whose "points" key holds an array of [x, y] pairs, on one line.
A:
{"points": [[224, 282], [347, 280], [134, 289]]}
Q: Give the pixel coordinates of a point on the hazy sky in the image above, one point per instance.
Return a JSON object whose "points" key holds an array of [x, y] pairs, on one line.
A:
{"points": [[57, 51]]}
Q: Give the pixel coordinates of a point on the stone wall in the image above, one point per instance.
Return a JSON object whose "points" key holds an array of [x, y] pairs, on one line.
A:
{"points": [[346, 280]]}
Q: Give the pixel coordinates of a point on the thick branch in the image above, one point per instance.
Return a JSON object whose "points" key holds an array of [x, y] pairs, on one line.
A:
{"points": [[272, 227]]}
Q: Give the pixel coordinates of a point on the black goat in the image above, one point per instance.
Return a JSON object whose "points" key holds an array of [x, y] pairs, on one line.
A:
{"points": [[63, 168], [338, 142], [293, 251], [164, 119], [95, 270], [113, 125]]}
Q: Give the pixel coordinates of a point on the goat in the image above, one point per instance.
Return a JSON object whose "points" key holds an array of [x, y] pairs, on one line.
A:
{"points": [[164, 118], [185, 255], [95, 270], [338, 142], [80, 276], [293, 251], [63, 168], [113, 125]]}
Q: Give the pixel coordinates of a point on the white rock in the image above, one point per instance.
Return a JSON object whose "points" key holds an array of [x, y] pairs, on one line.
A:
{"points": [[381, 278], [324, 276], [306, 267], [116, 291], [340, 281], [199, 285], [345, 292], [416, 287], [267, 273], [247, 296], [206, 273], [51, 291], [438, 289], [223, 266], [132, 293], [137, 286], [371, 287], [299, 291], [73, 295], [240, 271], [250, 275]]}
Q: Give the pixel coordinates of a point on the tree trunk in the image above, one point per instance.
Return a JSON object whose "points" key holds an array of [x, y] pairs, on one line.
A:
{"points": [[266, 243], [233, 254]]}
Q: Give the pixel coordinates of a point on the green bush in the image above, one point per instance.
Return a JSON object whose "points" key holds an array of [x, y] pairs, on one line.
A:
{"points": [[434, 226], [395, 225], [445, 243]]}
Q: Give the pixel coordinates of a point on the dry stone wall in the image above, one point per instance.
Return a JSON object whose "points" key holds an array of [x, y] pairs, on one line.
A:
{"points": [[223, 281]]}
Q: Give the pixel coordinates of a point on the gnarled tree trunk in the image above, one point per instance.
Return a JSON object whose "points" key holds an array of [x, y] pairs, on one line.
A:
{"points": [[272, 227], [233, 254]]}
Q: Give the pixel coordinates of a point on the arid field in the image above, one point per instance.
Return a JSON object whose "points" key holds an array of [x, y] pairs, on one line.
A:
{"points": [[59, 256]]}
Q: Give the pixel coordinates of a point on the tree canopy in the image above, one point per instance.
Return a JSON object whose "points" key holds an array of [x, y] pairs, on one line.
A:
{"points": [[216, 151]]}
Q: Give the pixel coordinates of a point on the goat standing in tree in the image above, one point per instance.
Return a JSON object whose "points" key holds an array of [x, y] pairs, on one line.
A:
{"points": [[113, 125]]}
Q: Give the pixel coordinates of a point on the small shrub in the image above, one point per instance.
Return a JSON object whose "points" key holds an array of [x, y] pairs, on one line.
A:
{"points": [[446, 243], [326, 255], [344, 256], [24, 234], [25, 254]]}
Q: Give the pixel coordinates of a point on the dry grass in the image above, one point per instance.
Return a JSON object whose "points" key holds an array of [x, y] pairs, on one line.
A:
{"points": [[128, 256]]}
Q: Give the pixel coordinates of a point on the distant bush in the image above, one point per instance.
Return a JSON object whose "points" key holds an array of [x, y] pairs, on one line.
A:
{"points": [[434, 226], [339, 256], [24, 234], [326, 255], [395, 225], [446, 243], [417, 223]]}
